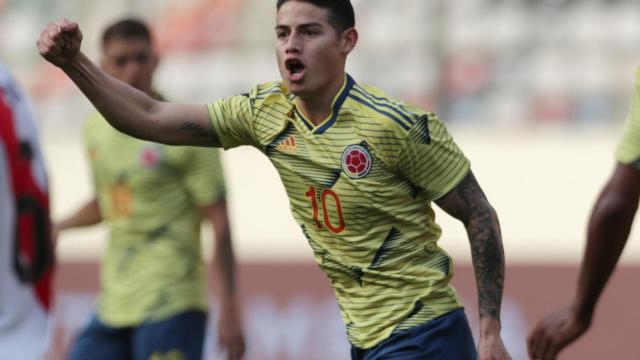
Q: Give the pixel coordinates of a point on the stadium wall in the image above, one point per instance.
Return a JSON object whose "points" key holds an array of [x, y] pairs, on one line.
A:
{"points": [[541, 182], [290, 312]]}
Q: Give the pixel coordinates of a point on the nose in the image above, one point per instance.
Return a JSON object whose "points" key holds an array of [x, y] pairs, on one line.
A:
{"points": [[133, 66], [131, 72], [293, 45]]}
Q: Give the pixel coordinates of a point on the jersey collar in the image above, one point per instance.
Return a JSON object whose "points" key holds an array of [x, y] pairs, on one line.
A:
{"points": [[339, 99]]}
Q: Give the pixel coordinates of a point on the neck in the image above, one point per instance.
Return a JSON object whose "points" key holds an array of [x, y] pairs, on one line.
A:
{"points": [[317, 108]]}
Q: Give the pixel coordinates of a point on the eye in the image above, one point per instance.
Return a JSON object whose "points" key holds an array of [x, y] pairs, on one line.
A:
{"points": [[142, 58], [309, 32], [120, 61], [281, 34]]}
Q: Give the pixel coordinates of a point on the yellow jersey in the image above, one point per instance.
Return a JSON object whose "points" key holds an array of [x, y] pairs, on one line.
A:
{"points": [[360, 186], [628, 151], [149, 196]]}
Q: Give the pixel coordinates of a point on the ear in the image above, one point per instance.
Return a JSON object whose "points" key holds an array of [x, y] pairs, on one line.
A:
{"points": [[349, 39]]}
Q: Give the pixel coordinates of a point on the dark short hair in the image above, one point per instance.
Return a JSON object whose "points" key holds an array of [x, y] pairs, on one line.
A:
{"points": [[341, 15], [126, 29]]}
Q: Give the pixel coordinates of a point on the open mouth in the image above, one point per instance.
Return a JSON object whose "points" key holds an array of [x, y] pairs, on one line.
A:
{"points": [[295, 68]]}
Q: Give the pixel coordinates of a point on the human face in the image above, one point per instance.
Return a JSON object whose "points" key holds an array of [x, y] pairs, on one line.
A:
{"points": [[132, 61], [311, 54]]}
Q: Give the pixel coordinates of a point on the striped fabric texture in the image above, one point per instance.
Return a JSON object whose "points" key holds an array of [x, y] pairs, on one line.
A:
{"points": [[360, 186], [628, 151], [149, 195]]}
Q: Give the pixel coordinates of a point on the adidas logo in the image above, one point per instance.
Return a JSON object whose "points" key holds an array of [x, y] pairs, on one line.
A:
{"points": [[287, 145]]}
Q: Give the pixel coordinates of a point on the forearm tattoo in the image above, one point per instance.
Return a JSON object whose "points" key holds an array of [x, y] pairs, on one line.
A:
{"points": [[468, 203], [207, 136]]}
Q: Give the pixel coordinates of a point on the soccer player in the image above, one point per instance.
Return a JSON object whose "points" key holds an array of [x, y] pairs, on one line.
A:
{"points": [[152, 198], [26, 252], [360, 169], [608, 230]]}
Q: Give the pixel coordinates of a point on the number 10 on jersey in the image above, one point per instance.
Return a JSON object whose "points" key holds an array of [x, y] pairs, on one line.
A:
{"points": [[325, 194]]}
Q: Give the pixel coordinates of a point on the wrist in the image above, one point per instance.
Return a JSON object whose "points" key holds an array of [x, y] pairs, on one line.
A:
{"points": [[228, 299], [73, 64], [490, 327], [229, 307], [582, 312]]}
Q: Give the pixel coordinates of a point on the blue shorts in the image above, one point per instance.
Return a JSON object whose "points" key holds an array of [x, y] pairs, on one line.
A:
{"points": [[181, 334], [447, 337]]}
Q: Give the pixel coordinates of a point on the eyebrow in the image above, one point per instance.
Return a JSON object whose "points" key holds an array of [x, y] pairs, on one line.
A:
{"points": [[305, 25]]}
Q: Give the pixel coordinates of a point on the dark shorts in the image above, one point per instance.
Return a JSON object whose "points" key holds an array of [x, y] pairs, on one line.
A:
{"points": [[181, 334], [447, 337]]}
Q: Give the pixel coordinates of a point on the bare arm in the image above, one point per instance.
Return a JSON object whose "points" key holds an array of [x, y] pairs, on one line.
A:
{"points": [[224, 259], [607, 234], [467, 203], [229, 324], [86, 215], [127, 109], [608, 231]]}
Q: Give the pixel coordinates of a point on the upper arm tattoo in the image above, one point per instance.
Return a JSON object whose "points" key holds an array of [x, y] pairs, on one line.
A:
{"points": [[468, 203], [202, 136]]}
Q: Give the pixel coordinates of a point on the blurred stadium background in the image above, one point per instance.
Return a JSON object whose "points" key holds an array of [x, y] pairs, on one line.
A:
{"points": [[534, 91]]}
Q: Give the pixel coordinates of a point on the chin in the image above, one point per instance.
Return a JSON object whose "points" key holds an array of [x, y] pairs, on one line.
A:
{"points": [[296, 89]]}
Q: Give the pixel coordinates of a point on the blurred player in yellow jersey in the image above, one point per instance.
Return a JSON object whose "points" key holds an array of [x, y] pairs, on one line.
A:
{"points": [[608, 230], [152, 198], [361, 170]]}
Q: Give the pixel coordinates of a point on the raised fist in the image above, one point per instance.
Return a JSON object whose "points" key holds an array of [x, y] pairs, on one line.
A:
{"points": [[59, 42]]}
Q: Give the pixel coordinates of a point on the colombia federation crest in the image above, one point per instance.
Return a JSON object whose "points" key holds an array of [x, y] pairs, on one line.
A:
{"points": [[356, 161]]}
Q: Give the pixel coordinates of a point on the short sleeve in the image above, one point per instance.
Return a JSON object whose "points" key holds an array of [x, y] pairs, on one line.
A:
{"points": [[232, 120], [430, 159], [628, 150]]}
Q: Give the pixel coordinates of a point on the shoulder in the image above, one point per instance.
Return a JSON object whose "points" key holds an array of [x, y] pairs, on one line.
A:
{"points": [[383, 111], [259, 97], [6, 79], [14, 98], [270, 103], [93, 119], [387, 120], [12, 94], [94, 122], [268, 89], [269, 94], [96, 129]]}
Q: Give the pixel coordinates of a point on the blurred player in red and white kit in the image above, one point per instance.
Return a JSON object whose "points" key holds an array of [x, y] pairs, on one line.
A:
{"points": [[26, 252]]}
